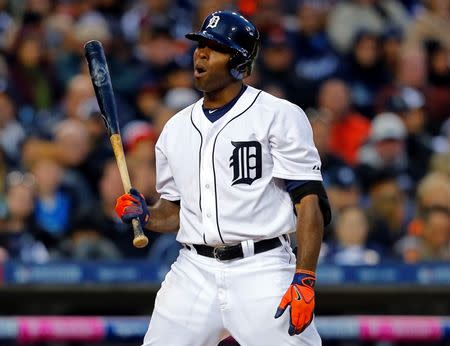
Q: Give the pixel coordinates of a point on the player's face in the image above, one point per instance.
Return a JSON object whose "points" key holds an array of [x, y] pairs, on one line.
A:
{"points": [[211, 67]]}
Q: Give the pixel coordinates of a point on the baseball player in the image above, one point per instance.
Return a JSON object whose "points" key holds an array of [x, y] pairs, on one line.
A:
{"points": [[237, 172]]}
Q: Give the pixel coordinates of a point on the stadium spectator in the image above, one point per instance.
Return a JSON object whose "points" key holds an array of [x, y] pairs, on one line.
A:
{"points": [[161, 117], [72, 106], [321, 126], [98, 139], [391, 41], [408, 249], [436, 234], [143, 14], [8, 27], [349, 246], [431, 23], [314, 57], [433, 191], [69, 147], [432, 240], [3, 170], [57, 33], [409, 104], [32, 78], [58, 202], [268, 16], [350, 16], [156, 49], [54, 206], [412, 72], [179, 74], [12, 133], [387, 212], [16, 226], [178, 98], [364, 71], [440, 160], [72, 140], [112, 11], [385, 151], [153, 105], [148, 100], [438, 66], [439, 84], [4, 71], [342, 188], [83, 27], [334, 97], [139, 139], [143, 176], [79, 90], [276, 65]]}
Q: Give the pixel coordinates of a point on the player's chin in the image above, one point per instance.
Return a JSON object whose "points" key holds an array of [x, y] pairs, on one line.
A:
{"points": [[201, 84]]}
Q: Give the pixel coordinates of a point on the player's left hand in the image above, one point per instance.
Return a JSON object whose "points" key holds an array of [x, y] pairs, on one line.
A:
{"points": [[300, 296]]}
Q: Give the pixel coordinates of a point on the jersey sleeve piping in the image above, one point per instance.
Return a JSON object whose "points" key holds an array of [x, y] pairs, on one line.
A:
{"points": [[170, 198], [297, 176]]}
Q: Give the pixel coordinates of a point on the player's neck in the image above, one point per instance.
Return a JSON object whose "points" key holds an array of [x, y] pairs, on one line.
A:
{"points": [[221, 97]]}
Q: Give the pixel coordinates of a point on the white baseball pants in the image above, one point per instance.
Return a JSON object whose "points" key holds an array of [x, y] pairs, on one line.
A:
{"points": [[202, 301]]}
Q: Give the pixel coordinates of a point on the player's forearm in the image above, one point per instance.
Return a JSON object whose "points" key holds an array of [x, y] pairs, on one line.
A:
{"points": [[309, 232], [164, 217]]}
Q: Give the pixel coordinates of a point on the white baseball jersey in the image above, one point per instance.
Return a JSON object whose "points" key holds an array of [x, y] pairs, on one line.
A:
{"points": [[228, 174]]}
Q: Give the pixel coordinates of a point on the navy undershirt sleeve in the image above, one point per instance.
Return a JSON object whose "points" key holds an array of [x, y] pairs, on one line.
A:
{"points": [[293, 184]]}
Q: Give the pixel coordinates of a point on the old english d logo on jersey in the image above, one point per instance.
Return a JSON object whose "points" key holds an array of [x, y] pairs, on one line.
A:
{"points": [[246, 162]]}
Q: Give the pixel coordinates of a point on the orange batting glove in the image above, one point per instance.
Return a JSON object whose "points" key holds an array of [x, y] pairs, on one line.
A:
{"points": [[300, 296], [132, 205]]}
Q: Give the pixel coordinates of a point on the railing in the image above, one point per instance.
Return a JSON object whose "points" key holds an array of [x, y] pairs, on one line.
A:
{"points": [[142, 272]]}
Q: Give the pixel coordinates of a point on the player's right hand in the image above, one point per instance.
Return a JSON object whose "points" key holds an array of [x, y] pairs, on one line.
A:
{"points": [[132, 205], [300, 297]]}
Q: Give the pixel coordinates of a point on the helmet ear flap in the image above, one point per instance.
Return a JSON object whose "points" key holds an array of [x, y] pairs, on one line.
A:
{"points": [[239, 66]]}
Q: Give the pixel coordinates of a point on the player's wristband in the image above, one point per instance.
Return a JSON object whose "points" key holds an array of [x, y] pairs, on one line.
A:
{"points": [[304, 277]]}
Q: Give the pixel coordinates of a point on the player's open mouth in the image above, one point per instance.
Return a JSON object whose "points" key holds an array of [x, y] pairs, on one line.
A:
{"points": [[199, 72]]}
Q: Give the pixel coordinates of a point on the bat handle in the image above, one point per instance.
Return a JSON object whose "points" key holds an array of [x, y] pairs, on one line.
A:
{"points": [[140, 240]]}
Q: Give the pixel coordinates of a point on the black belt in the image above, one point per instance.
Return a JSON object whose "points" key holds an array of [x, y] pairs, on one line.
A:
{"points": [[229, 252]]}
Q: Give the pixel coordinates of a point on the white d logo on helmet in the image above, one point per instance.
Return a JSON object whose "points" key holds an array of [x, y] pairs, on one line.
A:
{"points": [[213, 22]]}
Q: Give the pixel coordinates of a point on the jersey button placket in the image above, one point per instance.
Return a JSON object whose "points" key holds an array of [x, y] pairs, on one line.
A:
{"points": [[208, 197]]}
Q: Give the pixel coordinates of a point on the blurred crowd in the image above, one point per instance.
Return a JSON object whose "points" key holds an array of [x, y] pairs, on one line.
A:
{"points": [[373, 76]]}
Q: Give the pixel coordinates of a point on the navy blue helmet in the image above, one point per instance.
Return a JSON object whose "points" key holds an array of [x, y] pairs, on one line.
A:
{"points": [[234, 32]]}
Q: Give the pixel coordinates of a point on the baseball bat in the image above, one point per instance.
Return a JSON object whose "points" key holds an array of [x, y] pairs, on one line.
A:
{"points": [[101, 80]]}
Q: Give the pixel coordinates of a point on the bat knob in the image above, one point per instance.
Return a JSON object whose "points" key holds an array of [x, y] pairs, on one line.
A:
{"points": [[140, 241]]}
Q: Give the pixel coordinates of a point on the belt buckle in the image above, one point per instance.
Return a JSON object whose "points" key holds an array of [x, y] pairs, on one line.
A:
{"points": [[218, 251]]}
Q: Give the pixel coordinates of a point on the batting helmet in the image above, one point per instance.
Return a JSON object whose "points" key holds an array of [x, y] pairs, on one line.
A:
{"points": [[233, 31]]}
